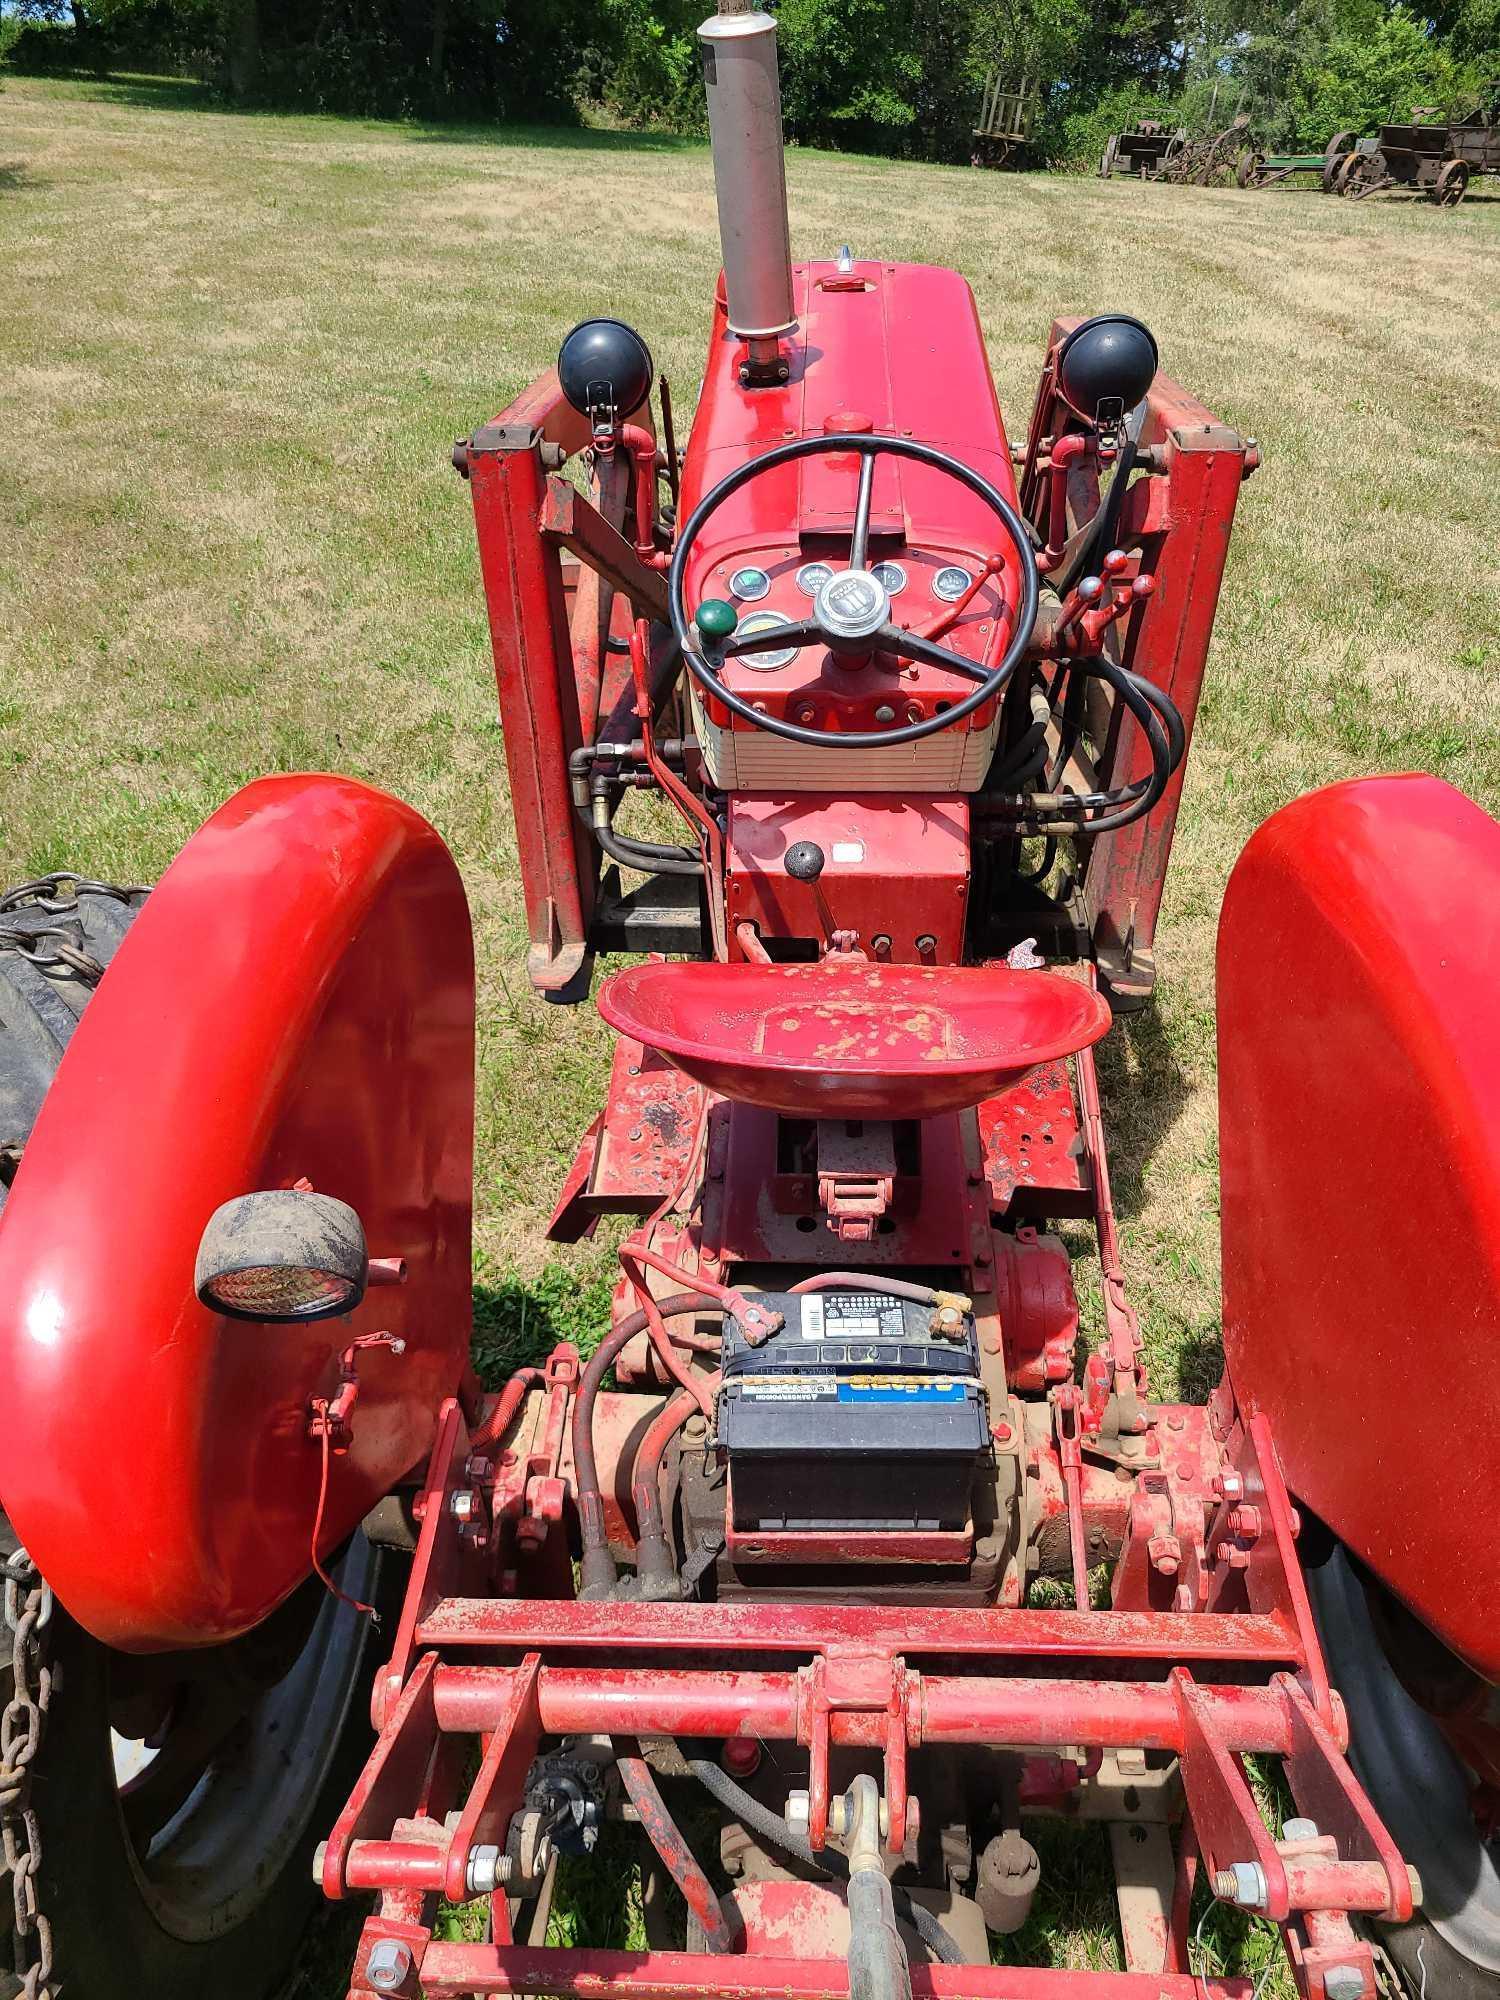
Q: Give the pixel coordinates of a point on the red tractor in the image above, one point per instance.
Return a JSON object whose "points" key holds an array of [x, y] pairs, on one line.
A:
{"points": [[845, 1562]]}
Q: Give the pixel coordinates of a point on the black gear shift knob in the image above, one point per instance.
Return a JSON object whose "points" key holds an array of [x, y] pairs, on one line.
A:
{"points": [[804, 861]]}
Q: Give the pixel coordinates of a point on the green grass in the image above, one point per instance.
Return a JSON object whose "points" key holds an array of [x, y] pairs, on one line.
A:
{"points": [[236, 350]]}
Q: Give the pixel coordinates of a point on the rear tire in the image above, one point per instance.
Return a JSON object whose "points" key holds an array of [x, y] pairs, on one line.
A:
{"points": [[194, 1876], [1421, 1791]]}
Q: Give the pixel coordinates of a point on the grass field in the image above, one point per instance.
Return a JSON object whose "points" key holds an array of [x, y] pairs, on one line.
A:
{"points": [[235, 351]]}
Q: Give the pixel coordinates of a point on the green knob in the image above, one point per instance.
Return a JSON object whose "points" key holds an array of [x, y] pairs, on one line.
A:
{"points": [[716, 620]]}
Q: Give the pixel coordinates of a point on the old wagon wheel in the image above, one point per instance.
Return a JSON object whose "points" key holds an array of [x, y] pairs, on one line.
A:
{"points": [[1361, 174], [1452, 182], [1339, 147], [1167, 167], [1249, 168], [174, 1800]]}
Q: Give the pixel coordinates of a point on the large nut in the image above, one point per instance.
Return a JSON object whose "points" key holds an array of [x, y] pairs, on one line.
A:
{"points": [[485, 1869], [1343, 1982], [1243, 1883], [388, 1965]]}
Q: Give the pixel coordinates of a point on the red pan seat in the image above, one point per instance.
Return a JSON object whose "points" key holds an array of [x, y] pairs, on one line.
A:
{"points": [[844, 1039]]}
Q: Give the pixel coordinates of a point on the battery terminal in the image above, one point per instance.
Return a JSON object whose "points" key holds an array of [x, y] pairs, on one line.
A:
{"points": [[950, 1312]]}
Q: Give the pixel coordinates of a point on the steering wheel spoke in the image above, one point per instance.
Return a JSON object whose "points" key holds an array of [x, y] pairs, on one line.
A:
{"points": [[859, 546], [912, 646], [771, 639]]}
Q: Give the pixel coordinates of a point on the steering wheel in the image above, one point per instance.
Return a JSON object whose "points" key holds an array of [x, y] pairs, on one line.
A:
{"points": [[852, 611]]}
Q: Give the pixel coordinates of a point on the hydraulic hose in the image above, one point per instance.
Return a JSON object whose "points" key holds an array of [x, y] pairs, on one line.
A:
{"points": [[649, 857], [1160, 721], [597, 1565], [771, 1826], [1101, 535]]}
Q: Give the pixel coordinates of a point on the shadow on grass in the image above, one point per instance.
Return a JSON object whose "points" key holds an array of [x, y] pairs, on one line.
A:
{"points": [[149, 93], [1142, 1088], [518, 1322], [1200, 1363], [15, 176], [183, 93], [547, 138]]}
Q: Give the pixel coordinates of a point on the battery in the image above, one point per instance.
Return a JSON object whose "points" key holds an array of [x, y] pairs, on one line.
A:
{"points": [[854, 1415]]}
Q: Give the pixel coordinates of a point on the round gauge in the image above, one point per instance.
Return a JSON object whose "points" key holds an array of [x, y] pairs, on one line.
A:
{"points": [[812, 577], [749, 585], [764, 621], [951, 583], [892, 576]]}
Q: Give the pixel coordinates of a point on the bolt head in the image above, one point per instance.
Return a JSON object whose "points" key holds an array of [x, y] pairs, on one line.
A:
{"points": [[1343, 1982], [463, 1505], [797, 1806], [1300, 1829], [388, 1965]]}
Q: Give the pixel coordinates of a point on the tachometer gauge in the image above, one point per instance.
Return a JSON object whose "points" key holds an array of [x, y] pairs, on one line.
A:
{"points": [[951, 583]]}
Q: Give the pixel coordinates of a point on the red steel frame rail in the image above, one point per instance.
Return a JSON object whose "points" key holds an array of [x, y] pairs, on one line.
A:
{"points": [[450, 1970]]}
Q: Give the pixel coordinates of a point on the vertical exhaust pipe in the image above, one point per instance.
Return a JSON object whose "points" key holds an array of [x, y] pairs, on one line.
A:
{"points": [[743, 89]]}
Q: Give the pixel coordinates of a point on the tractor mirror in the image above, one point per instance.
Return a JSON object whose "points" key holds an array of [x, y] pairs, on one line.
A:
{"points": [[283, 1254], [1105, 366]]}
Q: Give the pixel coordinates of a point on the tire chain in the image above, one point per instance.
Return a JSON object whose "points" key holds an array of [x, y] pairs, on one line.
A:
{"points": [[60, 943], [28, 1613], [28, 1600]]}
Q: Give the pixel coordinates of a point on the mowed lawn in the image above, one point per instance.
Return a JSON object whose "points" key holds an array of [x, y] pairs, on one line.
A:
{"points": [[235, 351]]}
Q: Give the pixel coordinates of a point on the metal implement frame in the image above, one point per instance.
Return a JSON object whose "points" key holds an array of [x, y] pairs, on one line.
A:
{"points": [[1207, 1686]]}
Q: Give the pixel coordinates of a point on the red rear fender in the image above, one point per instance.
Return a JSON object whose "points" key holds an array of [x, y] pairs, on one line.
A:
{"points": [[1359, 1093], [296, 998]]}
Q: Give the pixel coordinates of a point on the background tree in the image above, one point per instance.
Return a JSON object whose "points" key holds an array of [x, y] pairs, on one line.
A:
{"points": [[902, 77]]}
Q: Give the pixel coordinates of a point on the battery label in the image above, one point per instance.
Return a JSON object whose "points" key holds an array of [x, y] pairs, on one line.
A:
{"points": [[852, 1316], [901, 1389], [787, 1388]]}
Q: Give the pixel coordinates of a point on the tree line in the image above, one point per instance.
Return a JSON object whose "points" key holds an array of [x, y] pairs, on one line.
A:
{"points": [[899, 77]]}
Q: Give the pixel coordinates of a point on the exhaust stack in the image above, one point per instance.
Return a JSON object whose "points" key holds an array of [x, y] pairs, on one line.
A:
{"points": [[743, 88]]}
